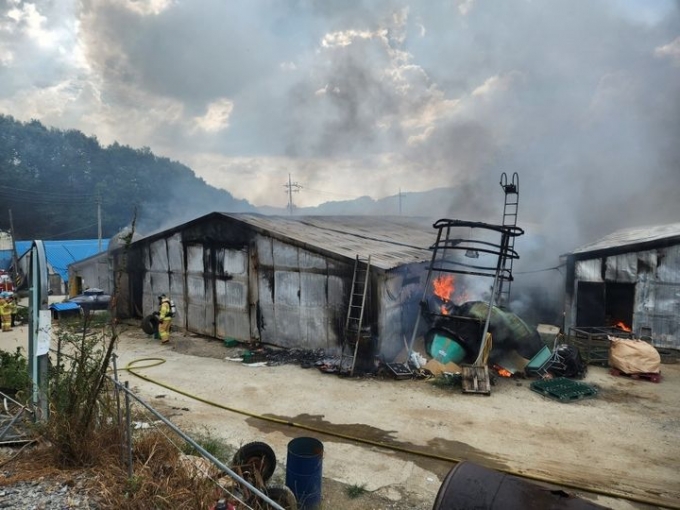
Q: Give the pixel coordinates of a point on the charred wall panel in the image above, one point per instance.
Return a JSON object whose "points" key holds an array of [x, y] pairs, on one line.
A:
{"points": [[231, 294], [301, 296], [655, 277], [287, 308], [400, 292], [199, 291]]}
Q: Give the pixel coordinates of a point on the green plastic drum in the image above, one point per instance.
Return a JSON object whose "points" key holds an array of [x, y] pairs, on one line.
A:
{"points": [[445, 349]]}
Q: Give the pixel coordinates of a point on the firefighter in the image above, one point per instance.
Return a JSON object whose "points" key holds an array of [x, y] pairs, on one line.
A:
{"points": [[5, 314], [12, 303], [164, 318]]}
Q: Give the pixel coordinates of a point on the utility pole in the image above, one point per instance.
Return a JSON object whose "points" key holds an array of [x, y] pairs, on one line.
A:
{"points": [[291, 187], [99, 223], [15, 258]]}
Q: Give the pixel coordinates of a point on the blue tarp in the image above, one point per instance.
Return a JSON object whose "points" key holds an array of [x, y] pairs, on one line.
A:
{"points": [[60, 254]]}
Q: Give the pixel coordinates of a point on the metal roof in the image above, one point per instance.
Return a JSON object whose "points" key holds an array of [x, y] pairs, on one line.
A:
{"points": [[390, 241], [631, 237], [62, 253]]}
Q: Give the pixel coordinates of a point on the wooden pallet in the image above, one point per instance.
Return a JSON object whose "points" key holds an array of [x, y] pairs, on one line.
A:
{"points": [[648, 376], [476, 379]]}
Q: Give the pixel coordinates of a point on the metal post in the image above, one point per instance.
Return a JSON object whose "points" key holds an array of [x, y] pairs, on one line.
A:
{"points": [[128, 424], [203, 452]]}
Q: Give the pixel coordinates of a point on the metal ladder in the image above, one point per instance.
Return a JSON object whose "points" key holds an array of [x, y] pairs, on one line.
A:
{"points": [[355, 313], [510, 208]]}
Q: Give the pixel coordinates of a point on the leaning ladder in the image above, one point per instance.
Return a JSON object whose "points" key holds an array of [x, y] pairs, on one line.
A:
{"points": [[355, 313], [510, 208]]}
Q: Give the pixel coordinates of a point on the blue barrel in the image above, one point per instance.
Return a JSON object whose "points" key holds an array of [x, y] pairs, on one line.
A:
{"points": [[304, 466]]}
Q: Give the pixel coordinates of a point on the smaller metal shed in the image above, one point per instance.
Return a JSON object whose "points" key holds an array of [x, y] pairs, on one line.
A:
{"points": [[631, 276], [282, 280], [60, 254]]}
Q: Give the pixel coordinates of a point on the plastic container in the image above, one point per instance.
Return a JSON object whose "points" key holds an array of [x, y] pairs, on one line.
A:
{"points": [[304, 468], [470, 485], [445, 349]]}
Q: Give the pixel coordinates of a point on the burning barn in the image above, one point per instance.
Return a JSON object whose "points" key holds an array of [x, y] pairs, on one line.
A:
{"points": [[628, 280], [284, 281]]}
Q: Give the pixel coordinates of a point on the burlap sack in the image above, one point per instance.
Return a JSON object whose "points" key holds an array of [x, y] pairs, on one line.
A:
{"points": [[633, 356]]}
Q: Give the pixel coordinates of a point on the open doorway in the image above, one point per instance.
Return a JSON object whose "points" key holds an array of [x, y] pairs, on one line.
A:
{"points": [[604, 304]]}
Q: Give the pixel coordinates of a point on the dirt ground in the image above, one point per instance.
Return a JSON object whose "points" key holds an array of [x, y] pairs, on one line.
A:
{"points": [[398, 439]]}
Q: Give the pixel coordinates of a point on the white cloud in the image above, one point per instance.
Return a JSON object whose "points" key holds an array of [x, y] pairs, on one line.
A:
{"points": [[216, 117], [670, 50], [144, 7], [31, 21], [347, 37], [465, 6]]}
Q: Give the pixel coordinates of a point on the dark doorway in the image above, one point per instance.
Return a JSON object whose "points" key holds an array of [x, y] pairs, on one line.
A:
{"points": [[604, 304]]}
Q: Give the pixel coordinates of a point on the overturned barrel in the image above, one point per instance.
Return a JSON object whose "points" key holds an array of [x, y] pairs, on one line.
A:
{"points": [[469, 485], [304, 467]]}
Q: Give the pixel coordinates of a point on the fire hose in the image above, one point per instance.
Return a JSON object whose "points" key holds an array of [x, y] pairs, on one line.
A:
{"points": [[153, 362]]}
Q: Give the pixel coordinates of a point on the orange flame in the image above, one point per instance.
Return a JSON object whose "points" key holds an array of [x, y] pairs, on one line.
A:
{"points": [[444, 286], [502, 371], [622, 325]]}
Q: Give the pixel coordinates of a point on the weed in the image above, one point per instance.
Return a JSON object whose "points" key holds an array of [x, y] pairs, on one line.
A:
{"points": [[354, 491], [211, 444], [13, 371]]}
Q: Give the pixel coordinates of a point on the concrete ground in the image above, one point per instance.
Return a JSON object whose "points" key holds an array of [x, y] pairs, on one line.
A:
{"points": [[623, 445]]}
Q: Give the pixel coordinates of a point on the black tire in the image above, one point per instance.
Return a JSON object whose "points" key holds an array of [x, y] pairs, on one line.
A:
{"points": [[283, 496], [256, 456], [149, 324]]}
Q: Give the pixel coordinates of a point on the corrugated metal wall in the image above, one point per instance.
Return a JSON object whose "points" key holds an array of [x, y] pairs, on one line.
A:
{"points": [[97, 272], [301, 296], [400, 292], [656, 275]]}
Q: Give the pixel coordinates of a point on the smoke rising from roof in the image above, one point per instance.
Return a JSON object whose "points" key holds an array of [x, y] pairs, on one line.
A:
{"points": [[366, 98]]}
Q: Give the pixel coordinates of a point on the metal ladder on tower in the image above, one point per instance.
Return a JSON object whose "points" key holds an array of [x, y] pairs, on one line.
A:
{"points": [[355, 314], [510, 208]]}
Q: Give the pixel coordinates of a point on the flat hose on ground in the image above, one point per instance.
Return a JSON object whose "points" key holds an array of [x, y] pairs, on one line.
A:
{"points": [[529, 476]]}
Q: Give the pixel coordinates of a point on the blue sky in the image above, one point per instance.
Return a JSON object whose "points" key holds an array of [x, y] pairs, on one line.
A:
{"points": [[366, 98]]}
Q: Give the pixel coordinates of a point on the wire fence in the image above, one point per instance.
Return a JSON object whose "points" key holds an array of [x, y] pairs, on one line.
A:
{"points": [[239, 490]]}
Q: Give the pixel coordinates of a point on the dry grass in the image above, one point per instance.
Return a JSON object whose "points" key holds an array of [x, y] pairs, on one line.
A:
{"points": [[162, 478], [159, 480]]}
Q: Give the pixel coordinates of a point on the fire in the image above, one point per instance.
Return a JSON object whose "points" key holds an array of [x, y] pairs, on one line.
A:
{"points": [[502, 371], [622, 325], [444, 286]]}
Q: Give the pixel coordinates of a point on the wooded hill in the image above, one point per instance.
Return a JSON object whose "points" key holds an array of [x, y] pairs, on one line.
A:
{"points": [[52, 181]]}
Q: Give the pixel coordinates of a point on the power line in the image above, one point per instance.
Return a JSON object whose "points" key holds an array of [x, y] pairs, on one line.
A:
{"points": [[71, 231], [42, 192]]}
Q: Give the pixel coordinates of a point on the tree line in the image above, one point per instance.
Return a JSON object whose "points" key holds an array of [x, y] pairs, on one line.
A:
{"points": [[57, 183]]}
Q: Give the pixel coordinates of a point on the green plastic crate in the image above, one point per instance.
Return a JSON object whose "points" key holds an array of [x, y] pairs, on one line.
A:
{"points": [[563, 389]]}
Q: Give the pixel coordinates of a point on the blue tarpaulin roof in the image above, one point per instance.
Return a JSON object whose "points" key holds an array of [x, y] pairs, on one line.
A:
{"points": [[62, 253]]}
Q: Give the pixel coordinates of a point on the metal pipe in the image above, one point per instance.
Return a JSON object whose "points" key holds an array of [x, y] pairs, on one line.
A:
{"points": [[200, 449], [128, 427]]}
